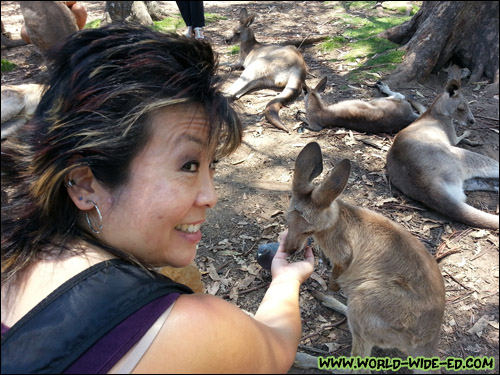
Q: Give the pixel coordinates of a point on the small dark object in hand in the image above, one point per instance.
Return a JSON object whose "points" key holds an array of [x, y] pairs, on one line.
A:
{"points": [[265, 254]]}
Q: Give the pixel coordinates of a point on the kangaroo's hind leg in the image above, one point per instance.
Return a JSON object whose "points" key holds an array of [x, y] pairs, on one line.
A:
{"points": [[479, 184], [476, 165], [384, 89], [428, 350], [246, 83]]}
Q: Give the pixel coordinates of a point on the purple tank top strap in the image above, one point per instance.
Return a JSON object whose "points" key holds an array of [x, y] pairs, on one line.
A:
{"points": [[101, 357]]}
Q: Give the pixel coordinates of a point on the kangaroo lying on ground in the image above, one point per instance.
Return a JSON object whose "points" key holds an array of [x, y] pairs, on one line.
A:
{"points": [[381, 115], [394, 288], [425, 165], [18, 105], [267, 66]]}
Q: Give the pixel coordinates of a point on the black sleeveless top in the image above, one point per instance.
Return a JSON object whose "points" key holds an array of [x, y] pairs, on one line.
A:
{"points": [[56, 332]]}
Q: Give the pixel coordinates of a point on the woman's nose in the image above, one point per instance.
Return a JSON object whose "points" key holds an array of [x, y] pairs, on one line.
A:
{"points": [[207, 195]]}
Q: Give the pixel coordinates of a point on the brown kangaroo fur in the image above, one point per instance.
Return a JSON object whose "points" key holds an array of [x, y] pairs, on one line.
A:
{"points": [[425, 165], [394, 288], [381, 115], [18, 105], [267, 66]]}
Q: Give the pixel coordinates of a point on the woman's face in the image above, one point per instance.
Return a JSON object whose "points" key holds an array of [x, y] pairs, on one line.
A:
{"points": [[157, 215]]}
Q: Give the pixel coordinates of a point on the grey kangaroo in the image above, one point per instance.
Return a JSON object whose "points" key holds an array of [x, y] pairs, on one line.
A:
{"points": [[19, 103], [381, 115], [425, 164], [395, 290], [267, 66]]}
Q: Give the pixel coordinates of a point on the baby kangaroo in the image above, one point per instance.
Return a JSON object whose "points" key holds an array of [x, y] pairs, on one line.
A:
{"points": [[267, 66], [394, 288], [425, 165], [381, 115]]}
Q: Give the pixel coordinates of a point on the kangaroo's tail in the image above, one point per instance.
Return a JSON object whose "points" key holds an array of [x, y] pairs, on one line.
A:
{"points": [[472, 216], [291, 91], [459, 210]]}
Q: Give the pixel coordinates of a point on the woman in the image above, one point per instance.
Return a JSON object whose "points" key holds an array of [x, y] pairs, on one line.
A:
{"points": [[112, 177]]}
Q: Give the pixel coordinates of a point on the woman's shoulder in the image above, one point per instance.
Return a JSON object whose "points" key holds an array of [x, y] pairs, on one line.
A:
{"points": [[204, 333], [41, 279]]}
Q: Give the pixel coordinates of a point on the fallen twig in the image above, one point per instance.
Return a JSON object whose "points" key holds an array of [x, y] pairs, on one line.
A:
{"points": [[455, 280], [240, 292], [336, 324], [460, 298]]}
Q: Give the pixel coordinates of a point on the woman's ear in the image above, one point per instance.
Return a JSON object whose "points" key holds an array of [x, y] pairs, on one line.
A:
{"points": [[80, 184]]}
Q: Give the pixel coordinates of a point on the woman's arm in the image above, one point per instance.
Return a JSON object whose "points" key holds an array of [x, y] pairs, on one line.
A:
{"points": [[207, 334]]}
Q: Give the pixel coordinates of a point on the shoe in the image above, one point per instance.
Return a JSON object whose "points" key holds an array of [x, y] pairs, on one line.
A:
{"points": [[198, 33], [189, 32]]}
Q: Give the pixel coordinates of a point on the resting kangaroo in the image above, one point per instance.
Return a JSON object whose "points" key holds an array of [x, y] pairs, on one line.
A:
{"points": [[394, 288], [381, 115], [425, 165], [267, 66], [19, 103]]}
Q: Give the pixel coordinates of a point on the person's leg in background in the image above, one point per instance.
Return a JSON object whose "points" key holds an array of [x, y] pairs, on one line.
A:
{"points": [[198, 18], [185, 9]]}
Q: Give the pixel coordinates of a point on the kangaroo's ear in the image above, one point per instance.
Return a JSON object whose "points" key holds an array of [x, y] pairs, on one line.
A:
{"points": [[309, 165], [305, 89], [249, 20], [321, 86], [333, 185], [452, 87], [243, 15]]}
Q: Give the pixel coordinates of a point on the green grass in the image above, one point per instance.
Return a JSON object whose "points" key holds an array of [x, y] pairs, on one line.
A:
{"points": [[211, 17], [7, 66], [357, 44], [332, 43], [169, 24], [172, 24], [93, 24], [366, 48], [235, 50]]}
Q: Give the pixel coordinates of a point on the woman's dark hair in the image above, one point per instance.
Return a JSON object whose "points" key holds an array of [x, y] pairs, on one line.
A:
{"points": [[103, 87]]}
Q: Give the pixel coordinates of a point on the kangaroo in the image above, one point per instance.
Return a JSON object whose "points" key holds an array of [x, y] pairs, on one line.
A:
{"points": [[267, 66], [19, 103], [425, 164], [381, 115], [395, 290]]}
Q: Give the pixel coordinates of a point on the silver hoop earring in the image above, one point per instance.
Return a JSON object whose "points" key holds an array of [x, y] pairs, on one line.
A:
{"points": [[98, 230], [70, 183]]}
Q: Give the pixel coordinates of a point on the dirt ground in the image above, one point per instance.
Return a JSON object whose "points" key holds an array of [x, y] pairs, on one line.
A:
{"points": [[254, 184]]}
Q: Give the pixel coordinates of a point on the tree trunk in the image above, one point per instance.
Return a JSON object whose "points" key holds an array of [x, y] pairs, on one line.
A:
{"points": [[127, 11], [155, 10], [444, 32]]}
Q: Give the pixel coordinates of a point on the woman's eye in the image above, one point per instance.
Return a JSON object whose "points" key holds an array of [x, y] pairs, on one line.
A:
{"points": [[192, 166]]}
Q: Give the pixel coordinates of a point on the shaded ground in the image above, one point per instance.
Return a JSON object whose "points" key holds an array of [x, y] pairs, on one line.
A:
{"points": [[254, 183]]}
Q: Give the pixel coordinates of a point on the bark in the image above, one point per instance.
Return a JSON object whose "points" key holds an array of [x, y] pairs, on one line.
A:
{"points": [[445, 32], [155, 10], [128, 12]]}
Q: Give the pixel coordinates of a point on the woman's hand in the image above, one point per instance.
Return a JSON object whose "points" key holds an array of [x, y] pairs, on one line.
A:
{"points": [[280, 266]]}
